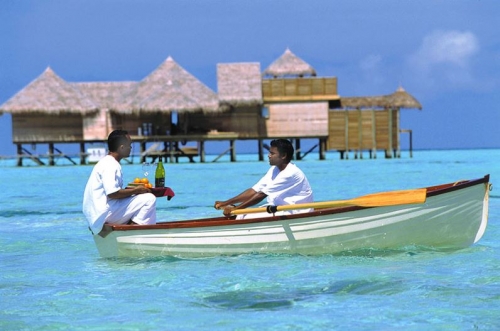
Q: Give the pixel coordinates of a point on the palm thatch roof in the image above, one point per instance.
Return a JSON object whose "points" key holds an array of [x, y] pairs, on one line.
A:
{"points": [[169, 88], [239, 84], [398, 99], [49, 93], [403, 99], [289, 64], [178, 100], [362, 102], [105, 94]]}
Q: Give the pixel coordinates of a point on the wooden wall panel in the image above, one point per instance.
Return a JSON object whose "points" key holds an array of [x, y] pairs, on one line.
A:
{"points": [[366, 129], [246, 121], [276, 87], [32, 128], [291, 87], [308, 119], [336, 128], [96, 126], [353, 136], [382, 129]]}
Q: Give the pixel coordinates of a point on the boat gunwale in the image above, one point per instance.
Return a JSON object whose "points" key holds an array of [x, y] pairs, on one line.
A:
{"points": [[224, 221]]}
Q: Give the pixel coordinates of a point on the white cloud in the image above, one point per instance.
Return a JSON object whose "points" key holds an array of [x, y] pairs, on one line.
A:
{"points": [[446, 47], [444, 60]]}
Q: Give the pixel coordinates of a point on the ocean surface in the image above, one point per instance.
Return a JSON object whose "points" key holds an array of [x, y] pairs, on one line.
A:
{"points": [[52, 278]]}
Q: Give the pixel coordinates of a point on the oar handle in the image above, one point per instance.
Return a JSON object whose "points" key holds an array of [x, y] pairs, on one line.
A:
{"points": [[273, 209]]}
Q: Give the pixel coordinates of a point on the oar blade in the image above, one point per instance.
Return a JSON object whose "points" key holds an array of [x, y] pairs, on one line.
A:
{"points": [[392, 198]]}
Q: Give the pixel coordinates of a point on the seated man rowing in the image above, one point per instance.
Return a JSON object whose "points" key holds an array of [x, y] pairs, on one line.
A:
{"points": [[283, 184]]}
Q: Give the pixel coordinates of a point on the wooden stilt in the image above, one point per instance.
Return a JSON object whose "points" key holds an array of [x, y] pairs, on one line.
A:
{"points": [[389, 148], [51, 154], [360, 134], [373, 151], [410, 137], [260, 149], [83, 157], [297, 149], [233, 151], [19, 155], [143, 152], [322, 148], [202, 151]]}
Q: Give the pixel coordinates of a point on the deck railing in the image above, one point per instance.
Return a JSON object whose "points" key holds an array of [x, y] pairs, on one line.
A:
{"points": [[299, 89]]}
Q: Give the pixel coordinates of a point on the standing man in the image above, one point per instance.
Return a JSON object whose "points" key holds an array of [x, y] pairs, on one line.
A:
{"points": [[283, 184], [104, 199]]}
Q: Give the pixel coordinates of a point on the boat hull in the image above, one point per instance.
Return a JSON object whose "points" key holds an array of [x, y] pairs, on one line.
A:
{"points": [[452, 217]]}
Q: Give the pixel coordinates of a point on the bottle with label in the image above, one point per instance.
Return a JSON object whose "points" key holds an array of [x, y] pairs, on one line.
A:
{"points": [[160, 174]]}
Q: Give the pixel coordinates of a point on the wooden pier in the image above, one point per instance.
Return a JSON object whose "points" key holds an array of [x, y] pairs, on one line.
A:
{"points": [[169, 147]]}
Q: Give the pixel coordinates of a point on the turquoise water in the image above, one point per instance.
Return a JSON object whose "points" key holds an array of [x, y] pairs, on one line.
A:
{"points": [[52, 277]]}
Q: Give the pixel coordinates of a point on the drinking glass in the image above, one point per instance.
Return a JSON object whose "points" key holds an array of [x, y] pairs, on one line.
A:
{"points": [[145, 167]]}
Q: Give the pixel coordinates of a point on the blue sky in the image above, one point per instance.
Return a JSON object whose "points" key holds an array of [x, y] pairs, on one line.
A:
{"points": [[445, 53]]}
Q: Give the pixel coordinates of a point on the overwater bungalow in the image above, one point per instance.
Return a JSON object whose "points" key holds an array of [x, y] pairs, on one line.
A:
{"points": [[170, 107], [369, 123]]}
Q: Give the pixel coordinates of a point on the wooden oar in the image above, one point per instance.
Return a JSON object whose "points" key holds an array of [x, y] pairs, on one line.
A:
{"points": [[391, 198]]}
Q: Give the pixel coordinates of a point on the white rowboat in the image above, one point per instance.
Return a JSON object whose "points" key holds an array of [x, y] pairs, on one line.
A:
{"points": [[450, 216]]}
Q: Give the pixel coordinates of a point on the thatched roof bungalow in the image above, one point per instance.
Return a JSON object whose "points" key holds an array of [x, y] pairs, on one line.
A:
{"points": [[369, 123], [289, 64], [93, 109]]}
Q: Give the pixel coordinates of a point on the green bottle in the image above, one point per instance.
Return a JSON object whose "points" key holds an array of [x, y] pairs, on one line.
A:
{"points": [[160, 174]]}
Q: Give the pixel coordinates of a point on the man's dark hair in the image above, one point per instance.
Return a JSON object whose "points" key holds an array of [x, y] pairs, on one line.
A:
{"points": [[117, 138], [284, 146]]}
